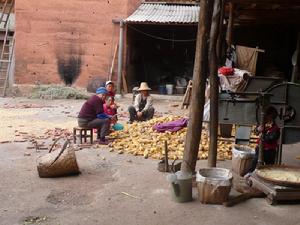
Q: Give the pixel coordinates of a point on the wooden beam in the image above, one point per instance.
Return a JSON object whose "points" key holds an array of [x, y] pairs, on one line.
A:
{"points": [[230, 24], [257, 22], [283, 2], [194, 130], [221, 33], [262, 13], [296, 63], [214, 87]]}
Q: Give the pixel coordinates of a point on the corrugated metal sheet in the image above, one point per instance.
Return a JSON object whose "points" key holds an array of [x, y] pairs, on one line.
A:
{"points": [[165, 14]]}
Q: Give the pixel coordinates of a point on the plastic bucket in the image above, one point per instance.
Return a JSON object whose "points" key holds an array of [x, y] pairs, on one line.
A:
{"points": [[181, 186], [169, 88], [214, 185], [242, 159]]}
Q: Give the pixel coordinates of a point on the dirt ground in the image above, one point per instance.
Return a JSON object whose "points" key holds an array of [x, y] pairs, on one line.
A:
{"points": [[111, 189]]}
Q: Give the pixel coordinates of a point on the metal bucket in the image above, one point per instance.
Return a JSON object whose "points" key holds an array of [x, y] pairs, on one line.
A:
{"points": [[181, 186]]}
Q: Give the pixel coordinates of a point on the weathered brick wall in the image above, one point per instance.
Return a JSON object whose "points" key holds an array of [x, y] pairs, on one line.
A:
{"points": [[53, 31]]}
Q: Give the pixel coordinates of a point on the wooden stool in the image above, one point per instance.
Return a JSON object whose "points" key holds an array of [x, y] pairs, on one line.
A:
{"points": [[83, 133]]}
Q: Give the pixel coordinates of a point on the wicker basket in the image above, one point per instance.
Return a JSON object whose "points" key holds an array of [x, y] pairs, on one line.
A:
{"points": [[58, 163]]}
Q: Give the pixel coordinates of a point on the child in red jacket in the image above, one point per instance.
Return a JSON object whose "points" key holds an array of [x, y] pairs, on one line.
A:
{"points": [[269, 136], [110, 108]]}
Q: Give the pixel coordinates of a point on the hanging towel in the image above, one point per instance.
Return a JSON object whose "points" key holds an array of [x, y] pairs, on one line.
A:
{"points": [[247, 58]]}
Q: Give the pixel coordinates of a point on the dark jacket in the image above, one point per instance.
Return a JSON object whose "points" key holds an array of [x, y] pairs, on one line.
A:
{"points": [[92, 107], [270, 137]]}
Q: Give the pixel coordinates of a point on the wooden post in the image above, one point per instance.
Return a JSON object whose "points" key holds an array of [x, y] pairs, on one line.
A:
{"points": [[221, 34], [214, 87], [193, 136], [230, 25], [296, 61], [120, 58], [264, 102], [166, 157]]}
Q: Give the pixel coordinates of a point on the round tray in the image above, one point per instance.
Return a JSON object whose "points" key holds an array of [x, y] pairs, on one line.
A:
{"points": [[279, 168]]}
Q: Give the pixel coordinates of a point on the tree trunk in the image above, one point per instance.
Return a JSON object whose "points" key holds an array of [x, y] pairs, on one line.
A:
{"points": [[198, 91], [214, 87]]}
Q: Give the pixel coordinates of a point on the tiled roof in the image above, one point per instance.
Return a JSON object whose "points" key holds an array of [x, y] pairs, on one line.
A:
{"points": [[165, 14]]}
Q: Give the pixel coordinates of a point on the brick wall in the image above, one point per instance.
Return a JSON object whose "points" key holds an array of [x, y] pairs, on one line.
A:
{"points": [[55, 32]]}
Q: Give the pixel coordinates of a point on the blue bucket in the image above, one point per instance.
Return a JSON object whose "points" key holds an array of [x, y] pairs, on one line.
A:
{"points": [[162, 89]]}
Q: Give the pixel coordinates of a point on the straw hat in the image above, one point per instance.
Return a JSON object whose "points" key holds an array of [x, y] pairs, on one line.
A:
{"points": [[144, 87]]}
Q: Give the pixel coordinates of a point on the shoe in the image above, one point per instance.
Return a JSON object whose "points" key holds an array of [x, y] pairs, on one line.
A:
{"points": [[103, 142]]}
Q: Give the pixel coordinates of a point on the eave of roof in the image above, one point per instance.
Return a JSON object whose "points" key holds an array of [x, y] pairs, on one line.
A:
{"points": [[157, 13]]}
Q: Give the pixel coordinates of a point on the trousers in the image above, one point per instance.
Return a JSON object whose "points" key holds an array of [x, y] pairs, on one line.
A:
{"points": [[102, 126], [147, 114]]}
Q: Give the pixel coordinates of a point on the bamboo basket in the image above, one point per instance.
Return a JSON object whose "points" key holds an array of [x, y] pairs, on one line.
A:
{"points": [[58, 163], [214, 185]]}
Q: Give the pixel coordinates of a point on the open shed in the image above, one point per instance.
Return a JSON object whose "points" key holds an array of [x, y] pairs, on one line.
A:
{"points": [[161, 43]]}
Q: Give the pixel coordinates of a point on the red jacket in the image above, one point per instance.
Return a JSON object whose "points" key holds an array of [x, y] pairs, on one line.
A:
{"points": [[270, 137], [108, 110]]}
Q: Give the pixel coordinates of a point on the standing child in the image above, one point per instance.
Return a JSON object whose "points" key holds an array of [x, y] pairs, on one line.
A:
{"points": [[109, 85], [269, 137]]}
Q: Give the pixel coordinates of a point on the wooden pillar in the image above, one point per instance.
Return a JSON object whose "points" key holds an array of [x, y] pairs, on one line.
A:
{"points": [[296, 62], [214, 85], [230, 25], [221, 33], [193, 136]]}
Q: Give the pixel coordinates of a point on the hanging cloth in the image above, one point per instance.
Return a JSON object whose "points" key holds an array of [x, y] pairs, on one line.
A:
{"points": [[247, 58]]}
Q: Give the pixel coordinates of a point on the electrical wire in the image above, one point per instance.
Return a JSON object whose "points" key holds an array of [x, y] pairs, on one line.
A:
{"points": [[160, 38]]}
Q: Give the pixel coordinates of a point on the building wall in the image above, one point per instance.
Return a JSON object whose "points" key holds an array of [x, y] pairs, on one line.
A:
{"points": [[55, 32]]}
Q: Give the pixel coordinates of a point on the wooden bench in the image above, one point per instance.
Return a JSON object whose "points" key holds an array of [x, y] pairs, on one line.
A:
{"points": [[83, 133]]}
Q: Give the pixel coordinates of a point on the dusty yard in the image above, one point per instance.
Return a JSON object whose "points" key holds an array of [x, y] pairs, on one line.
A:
{"points": [[112, 188]]}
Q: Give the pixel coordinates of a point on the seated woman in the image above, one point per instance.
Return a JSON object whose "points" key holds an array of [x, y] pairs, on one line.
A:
{"points": [[88, 115], [142, 109]]}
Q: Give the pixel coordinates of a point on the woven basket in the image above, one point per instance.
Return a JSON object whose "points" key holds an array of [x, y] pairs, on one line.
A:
{"points": [[58, 163]]}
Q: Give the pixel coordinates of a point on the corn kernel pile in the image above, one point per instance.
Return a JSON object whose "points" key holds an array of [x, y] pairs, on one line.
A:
{"points": [[140, 139]]}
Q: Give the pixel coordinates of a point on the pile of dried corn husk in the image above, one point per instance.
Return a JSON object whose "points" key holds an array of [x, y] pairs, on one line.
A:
{"points": [[141, 139]]}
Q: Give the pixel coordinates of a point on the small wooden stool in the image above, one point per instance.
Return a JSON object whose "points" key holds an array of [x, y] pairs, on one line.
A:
{"points": [[83, 133]]}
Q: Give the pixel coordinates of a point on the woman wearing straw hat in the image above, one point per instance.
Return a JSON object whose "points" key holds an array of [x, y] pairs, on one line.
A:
{"points": [[142, 108]]}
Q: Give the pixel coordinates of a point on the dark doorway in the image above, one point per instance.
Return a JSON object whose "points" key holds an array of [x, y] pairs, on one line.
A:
{"points": [[160, 54]]}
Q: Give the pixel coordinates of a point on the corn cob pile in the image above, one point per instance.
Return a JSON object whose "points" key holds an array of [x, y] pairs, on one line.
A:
{"points": [[140, 139]]}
